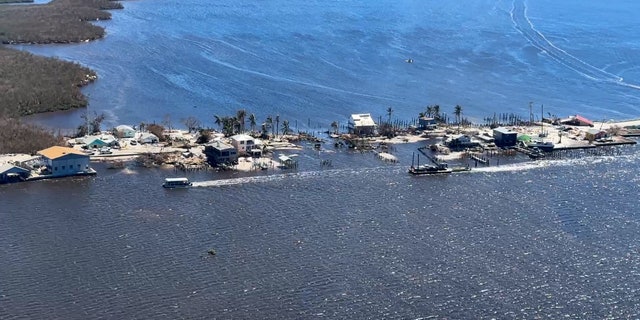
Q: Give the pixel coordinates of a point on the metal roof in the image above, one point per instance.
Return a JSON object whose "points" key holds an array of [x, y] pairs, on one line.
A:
{"points": [[57, 152]]}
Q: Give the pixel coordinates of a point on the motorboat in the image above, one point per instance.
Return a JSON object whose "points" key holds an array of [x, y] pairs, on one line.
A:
{"points": [[171, 183]]}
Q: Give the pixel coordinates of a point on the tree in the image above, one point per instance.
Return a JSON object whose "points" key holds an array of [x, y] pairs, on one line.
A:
{"points": [[218, 121], [240, 115], [389, 112], [334, 127], [252, 122], [429, 111], [90, 125], [458, 112], [285, 127], [192, 123], [277, 123], [436, 112]]}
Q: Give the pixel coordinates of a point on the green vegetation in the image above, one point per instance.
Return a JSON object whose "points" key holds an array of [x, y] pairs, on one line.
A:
{"points": [[15, 1], [17, 137], [30, 84]]}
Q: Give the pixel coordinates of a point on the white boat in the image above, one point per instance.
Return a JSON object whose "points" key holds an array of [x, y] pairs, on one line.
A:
{"points": [[176, 183]]}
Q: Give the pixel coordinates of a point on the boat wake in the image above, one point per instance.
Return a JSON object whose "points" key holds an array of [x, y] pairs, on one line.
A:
{"points": [[541, 164], [523, 24], [289, 176]]}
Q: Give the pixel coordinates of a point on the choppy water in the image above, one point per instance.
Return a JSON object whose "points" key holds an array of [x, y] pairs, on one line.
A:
{"points": [[360, 239], [317, 62]]}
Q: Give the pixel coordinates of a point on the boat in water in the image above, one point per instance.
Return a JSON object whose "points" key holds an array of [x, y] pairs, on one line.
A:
{"points": [[172, 183], [436, 168], [429, 169]]}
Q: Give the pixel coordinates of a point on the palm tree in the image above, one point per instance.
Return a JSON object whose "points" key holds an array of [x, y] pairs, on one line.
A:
{"points": [[334, 126], [458, 112], [240, 115], [252, 122], [389, 112], [277, 123], [218, 121], [429, 111], [285, 127], [436, 112]]}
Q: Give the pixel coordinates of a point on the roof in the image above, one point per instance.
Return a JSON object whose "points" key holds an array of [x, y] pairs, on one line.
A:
{"points": [[7, 167], [362, 120], [583, 119], [594, 131], [57, 152], [124, 127], [241, 137], [504, 130], [220, 145], [176, 180]]}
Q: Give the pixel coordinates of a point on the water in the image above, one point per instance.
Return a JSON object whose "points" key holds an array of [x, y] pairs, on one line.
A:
{"points": [[361, 239], [317, 62]]}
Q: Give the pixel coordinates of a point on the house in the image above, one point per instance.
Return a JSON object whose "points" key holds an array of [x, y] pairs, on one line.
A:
{"points": [[461, 142], [124, 131], [63, 161], [246, 144], [594, 134], [577, 120], [94, 142], [426, 123], [220, 153], [11, 173], [147, 137], [288, 162], [362, 124], [504, 137]]}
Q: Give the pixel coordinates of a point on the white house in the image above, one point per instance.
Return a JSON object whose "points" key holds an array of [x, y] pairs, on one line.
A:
{"points": [[362, 124], [63, 161], [245, 144]]}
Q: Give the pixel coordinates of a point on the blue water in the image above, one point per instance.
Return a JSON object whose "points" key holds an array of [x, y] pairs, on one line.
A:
{"points": [[315, 62], [359, 240]]}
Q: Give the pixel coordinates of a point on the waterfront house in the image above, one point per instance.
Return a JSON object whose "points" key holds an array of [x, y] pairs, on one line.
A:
{"points": [[63, 161], [246, 145], [427, 123], [94, 142], [124, 131], [11, 173], [362, 124], [219, 153], [504, 137], [461, 142], [147, 137]]}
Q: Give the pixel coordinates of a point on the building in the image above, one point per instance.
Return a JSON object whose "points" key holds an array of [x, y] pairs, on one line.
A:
{"points": [[577, 120], [11, 173], [219, 153], [426, 123], [124, 131], [147, 137], [362, 124], [94, 142], [63, 161], [594, 134], [504, 137], [461, 142], [246, 145]]}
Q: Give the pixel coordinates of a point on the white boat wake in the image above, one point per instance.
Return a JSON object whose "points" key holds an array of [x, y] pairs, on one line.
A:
{"points": [[523, 24]]}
